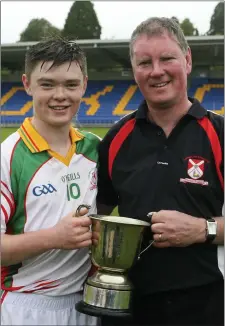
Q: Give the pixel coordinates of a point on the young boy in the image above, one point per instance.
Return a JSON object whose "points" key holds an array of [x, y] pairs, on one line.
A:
{"points": [[48, 169]]}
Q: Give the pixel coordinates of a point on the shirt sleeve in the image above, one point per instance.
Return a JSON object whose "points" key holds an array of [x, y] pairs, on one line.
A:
{"points": [[7, 198], [106, 192]]}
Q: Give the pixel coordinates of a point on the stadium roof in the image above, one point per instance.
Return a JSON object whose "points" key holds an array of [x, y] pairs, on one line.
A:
{"points": [[105, 54]]}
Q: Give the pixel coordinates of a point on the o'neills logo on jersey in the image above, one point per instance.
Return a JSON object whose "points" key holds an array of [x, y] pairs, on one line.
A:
{"points": [[195, 170]]}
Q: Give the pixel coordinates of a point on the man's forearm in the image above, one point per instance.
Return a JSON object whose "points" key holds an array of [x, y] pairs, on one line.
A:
{"points": [[17, 248]]}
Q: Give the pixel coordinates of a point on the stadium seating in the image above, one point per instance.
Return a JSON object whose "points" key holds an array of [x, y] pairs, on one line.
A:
{"points": [[210, 93], [105, 102]]}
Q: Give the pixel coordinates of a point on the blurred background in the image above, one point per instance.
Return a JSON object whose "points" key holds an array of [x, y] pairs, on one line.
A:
{"points": [[103, 30]]}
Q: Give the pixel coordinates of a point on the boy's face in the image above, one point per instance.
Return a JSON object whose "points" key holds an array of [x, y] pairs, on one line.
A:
{"points": [[57, 92]]}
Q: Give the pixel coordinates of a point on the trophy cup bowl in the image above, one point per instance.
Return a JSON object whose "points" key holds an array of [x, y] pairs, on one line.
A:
{"points": [[108, 291]]}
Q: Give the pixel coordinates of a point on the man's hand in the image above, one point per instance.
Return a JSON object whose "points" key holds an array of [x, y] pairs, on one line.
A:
{"points": [[73, 232], [175, 229]]}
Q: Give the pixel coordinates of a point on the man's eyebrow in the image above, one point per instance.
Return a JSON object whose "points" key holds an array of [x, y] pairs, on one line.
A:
{"points": [[72, 80]]}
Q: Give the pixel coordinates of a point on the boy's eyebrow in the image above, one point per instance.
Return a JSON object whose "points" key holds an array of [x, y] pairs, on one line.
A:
{"points": [[44, 79]]}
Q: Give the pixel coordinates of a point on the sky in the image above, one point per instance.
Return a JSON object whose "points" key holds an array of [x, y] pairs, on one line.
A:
{"points": [[117, 18]]}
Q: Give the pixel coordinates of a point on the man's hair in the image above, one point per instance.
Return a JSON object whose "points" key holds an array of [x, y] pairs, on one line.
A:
{"points": [[55, 49], [157, 26]]}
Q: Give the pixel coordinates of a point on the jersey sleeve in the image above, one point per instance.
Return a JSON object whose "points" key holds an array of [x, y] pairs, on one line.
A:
{"points": [[7, 198], [106, 192]]}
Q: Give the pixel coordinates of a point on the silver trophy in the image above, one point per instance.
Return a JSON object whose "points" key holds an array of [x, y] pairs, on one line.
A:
{"points": [[108, 291]]}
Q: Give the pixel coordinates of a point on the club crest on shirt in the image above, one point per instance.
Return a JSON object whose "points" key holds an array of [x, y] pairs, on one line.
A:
{"points": [[195, 171], [93, 179], [195, 168]]}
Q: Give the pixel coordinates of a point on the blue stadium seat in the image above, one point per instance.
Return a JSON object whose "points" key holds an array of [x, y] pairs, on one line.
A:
{"points": [[105, 102]]}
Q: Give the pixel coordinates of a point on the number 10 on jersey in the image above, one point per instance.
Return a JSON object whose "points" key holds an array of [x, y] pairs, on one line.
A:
{"points": [[73, 191]]}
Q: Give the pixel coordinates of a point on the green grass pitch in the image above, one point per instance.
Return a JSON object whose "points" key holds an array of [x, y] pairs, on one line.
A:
{"points": [[5, 132]]}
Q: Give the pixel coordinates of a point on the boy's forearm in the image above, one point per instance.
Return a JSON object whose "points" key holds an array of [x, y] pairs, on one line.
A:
{"points": [[17, 248]]}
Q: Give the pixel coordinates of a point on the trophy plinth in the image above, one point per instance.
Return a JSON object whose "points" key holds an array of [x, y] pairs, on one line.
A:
{"points": [[84, 308], [108, 292]]}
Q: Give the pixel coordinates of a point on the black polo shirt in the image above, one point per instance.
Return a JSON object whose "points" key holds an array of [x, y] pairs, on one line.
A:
{"points": [[141, 170]]}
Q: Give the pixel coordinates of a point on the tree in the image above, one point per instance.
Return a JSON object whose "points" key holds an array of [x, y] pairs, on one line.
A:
{"points": [[82, 22], [37, 29], [5, 71], [188, 28], [217, 20]]}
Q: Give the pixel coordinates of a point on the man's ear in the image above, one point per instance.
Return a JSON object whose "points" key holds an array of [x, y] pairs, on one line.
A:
{"points": [[26, 84], [188, 61]]}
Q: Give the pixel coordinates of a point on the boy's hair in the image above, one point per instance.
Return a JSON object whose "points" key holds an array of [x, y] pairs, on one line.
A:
{"points": [[157, 26], [55, 49]]}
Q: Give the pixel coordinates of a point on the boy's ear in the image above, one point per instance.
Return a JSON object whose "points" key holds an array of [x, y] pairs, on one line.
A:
{"points": [[26, 84]]}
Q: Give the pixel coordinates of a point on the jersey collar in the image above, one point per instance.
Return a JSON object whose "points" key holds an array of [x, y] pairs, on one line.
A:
{"points": [[35, 142]]}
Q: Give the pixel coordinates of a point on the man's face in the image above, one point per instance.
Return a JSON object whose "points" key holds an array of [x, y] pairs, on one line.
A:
{"points": [[56, 92], [160, 70]]}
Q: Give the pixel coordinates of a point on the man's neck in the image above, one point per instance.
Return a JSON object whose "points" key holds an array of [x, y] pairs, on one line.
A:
{"points": [[57, 137], [168, 118]]}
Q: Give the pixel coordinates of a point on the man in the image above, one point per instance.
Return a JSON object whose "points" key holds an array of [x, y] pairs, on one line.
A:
{"points": [[167, 158], [48, 170]]}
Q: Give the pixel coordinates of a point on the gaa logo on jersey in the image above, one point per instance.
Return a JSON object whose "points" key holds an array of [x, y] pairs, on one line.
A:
{"points": [[43, 190], [195, 168]]}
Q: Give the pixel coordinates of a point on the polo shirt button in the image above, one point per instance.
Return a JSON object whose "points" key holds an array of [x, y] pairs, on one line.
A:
{"points": [[159, 133]]}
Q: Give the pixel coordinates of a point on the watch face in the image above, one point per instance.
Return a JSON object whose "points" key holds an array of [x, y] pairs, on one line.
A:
{"points": [[212, 226]]}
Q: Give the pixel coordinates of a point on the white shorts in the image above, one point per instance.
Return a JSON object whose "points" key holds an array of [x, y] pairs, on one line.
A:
{"points": [[35, 309]]}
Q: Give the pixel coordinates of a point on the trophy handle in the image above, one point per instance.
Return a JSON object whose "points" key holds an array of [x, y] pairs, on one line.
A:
{"points": [[76, 214], [149, 215], [150, 244]]}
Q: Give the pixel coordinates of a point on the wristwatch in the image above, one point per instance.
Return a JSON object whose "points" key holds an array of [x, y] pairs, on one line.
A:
{"points": [[211, 230]]}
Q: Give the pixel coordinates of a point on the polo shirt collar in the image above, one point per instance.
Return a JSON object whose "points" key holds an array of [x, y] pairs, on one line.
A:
{"points": [[142, 111], [35, 142], [196, 110]]}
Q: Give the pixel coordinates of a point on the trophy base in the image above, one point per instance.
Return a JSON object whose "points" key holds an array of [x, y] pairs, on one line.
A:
{"points": [[87, 309], [110, 299]]}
